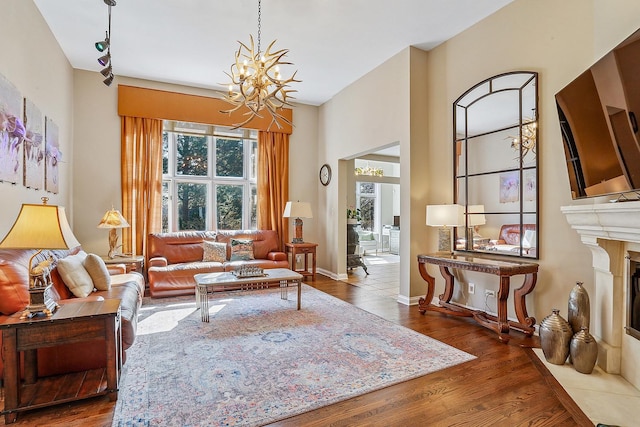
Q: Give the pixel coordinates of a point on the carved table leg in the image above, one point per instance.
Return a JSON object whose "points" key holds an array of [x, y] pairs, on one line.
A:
{"points": [[503, 322], [431, 287], [520, 304]]}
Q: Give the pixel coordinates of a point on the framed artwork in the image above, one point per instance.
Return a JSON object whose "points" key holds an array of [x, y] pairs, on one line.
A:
{"points": [[11, 132], [33, 146], [52, 156], [509, 187], [530, 185]]}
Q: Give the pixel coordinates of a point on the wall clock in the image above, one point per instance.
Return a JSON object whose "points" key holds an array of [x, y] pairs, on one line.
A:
{"points": [[325, 174]]}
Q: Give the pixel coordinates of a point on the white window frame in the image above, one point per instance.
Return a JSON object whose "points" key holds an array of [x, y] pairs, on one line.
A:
{"points": [[247, 181]]}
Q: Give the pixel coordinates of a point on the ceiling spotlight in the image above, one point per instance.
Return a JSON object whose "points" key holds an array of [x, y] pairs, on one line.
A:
{"points": [[108, 80], [105, 72], [103, 44], [104, 60], [110, 2]]}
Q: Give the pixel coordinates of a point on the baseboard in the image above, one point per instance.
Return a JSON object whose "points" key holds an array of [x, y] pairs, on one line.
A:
{"points": [[331, 274]]}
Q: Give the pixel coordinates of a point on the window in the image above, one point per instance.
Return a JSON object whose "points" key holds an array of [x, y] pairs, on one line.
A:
{"points": [[366, 197], [209, 177]]}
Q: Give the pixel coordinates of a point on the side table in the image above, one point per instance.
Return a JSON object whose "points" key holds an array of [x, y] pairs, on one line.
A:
{"points": [[305, 249], [133, 263], [72, 322]]}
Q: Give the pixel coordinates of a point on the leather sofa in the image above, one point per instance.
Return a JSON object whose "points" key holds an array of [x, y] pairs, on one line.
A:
{"points": [[174, 258], [77, 357]]}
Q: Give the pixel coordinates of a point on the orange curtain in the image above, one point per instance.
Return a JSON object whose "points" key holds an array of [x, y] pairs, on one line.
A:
{"points": [[141, 168], [273, 183]]}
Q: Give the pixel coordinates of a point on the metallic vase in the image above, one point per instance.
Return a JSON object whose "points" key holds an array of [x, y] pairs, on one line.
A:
{"points": [[584, 351], [579, 308], [555, 335]]}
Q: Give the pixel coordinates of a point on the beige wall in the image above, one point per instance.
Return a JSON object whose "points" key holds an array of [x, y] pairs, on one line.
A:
{"points": [[37, 67], [557, 39]]}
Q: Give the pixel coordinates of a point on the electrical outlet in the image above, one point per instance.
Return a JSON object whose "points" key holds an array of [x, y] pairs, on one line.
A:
{"points": [[489, 293], [472, 288]]}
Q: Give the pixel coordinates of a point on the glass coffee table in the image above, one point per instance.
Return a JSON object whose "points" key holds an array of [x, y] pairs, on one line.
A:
{"points": [[208, 283]]}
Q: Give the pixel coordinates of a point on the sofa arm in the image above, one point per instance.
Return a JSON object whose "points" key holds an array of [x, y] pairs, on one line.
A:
{"points": [[277, 256], [114, 269], [158, 262]]}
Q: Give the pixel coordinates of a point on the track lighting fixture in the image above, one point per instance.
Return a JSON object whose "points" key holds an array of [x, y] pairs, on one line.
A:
{"points": [[104, 60], [105, 72], [102, 45]]}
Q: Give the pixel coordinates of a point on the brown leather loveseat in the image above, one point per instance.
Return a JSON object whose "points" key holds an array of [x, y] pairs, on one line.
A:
{"points": [[77, 357], [174, 258]]}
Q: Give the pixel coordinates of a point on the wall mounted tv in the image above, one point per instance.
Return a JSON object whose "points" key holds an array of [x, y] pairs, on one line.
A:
{"points": [[599, 114]]}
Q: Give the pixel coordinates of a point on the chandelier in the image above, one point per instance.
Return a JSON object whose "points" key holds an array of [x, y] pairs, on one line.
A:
{"points": [[528, 143], [256, 82]]}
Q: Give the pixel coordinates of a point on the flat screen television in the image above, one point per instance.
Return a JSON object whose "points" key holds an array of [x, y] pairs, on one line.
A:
{"points": [[598, 113]]}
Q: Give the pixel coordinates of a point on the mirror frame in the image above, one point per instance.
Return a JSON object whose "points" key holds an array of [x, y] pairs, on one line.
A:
{"points": [[501, 117]]}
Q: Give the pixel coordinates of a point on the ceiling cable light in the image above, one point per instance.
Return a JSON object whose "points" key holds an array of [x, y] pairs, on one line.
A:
{"points": [[101, 46], [256, 82]]}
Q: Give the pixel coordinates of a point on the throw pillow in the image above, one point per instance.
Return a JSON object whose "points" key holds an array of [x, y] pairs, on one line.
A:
{"points": [[241, 250], [98, 271], [214, 251], [74, 275]]}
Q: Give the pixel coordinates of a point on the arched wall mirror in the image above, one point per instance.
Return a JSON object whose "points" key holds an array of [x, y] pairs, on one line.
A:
{"points": [[495, 152]]}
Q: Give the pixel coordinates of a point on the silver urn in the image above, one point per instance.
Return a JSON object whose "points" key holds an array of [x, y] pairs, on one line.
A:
{"points": [[579, 308], [555, 336], [584, 351]]}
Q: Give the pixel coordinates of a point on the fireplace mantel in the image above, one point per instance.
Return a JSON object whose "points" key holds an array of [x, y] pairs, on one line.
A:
{"points": [[608, 230]]}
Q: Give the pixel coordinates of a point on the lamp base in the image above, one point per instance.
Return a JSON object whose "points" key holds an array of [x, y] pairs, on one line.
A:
{"points": [[40, 303], [297, 231], [444, 240]]}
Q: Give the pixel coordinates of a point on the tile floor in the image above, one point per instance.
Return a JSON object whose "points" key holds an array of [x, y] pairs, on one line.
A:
{"points": [[604, 398]]}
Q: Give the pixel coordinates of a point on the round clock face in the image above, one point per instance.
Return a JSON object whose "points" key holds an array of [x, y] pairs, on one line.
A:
{"points": [[325, 174]]}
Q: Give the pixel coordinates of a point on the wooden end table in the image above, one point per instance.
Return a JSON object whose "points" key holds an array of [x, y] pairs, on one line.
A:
{"points": [[72, 322], [132, 263], [305, 249]]}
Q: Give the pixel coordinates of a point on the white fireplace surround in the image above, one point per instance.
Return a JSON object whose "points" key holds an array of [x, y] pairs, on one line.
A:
{"points": [[610, 231]]}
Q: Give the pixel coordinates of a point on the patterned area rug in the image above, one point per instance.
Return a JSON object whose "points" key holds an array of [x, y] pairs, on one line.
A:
{"points": [[260, 360]]}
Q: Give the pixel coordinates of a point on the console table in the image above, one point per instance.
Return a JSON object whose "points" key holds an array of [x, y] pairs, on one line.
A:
{"points": [[504, 269]]}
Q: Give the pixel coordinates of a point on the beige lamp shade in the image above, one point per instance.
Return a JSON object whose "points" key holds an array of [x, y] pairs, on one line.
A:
{"points": [[40, 227], [445, 215], [297, 210], [477, 215], [113, 219]]}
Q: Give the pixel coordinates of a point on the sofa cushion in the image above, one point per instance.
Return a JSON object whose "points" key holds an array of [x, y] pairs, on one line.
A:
{"points": [[214, 251], [15, 296], [75, 276], [241, 250], [98, 271]]}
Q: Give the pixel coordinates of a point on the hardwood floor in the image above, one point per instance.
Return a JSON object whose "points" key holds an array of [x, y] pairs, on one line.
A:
{"points": [[506, 385]]}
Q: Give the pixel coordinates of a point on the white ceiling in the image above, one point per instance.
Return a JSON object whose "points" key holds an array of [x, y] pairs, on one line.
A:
{"points": [[192, 42]]}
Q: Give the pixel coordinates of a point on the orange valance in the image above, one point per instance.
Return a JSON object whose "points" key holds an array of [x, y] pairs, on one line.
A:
{"points": [[159, 104]]}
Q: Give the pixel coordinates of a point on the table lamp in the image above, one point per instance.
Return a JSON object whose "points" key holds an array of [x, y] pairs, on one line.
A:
{"points": [[445, 217], [113, 220], [475, 218], [40, 227], [297, 210]]}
